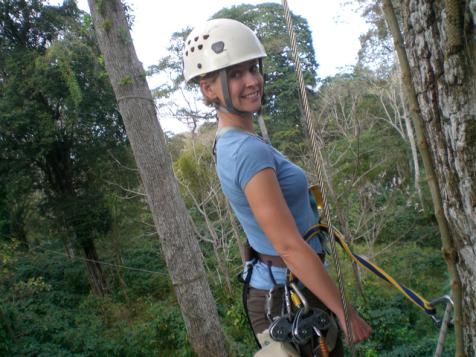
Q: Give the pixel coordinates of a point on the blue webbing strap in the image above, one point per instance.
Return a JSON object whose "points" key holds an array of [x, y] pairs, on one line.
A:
{"points": [[408, 293]]}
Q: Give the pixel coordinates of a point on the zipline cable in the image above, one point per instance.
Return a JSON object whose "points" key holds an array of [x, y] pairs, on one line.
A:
{"points": [[318, 162], [101, 262]]}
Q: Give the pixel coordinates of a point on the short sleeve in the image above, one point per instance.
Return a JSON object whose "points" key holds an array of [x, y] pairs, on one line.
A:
{"points": [[252, 157]]}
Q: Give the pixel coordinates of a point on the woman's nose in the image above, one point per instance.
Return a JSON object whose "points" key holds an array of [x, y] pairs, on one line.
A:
{"points": [[251, 78]]}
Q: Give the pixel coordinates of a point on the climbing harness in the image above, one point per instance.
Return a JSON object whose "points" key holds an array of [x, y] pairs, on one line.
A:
{"points": [[294, 323], [300, 324]]}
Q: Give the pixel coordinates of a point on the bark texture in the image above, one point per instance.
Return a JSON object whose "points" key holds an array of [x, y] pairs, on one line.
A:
{"points": [[95, 273], [179, 246], [440, 43]]}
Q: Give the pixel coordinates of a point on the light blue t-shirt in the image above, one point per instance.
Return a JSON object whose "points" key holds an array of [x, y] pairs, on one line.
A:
{"points": [[240, 155]]}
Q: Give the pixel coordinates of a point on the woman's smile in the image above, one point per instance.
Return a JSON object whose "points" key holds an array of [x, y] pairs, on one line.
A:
{"points": [[252, 95]]}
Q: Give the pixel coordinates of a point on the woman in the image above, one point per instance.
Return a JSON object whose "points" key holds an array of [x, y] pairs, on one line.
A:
{"points": [[267, 192]]}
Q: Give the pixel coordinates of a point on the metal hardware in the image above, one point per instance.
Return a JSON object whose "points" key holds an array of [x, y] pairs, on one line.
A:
{"points": [[281, 330], [298, 292], [445, 299], [305, 323]]}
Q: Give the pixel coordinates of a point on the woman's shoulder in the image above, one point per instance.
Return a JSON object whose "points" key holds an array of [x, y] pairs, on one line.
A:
{"points": [[241, 143]]}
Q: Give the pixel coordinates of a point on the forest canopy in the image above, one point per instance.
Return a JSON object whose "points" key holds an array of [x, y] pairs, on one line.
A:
{"points": [[82, 268]]}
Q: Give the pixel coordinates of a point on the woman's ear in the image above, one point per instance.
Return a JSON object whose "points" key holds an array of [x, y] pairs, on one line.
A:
{"points": [[208, 89]]}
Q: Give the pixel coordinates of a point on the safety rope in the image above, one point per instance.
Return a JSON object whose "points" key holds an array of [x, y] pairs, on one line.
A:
{"points": [[414, 297], [318, 162]]}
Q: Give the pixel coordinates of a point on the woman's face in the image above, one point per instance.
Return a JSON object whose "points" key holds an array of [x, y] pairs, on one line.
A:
{"points": [[245, 84]]}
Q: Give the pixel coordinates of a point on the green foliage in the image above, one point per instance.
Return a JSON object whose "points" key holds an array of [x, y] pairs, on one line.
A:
{"points": [[6, 328], [193, 169], [400, 328], [292, 143], [67, 176], [60, 126], [61, 54], [48, 310], [142, 285], [234, 321], [376, 48]]}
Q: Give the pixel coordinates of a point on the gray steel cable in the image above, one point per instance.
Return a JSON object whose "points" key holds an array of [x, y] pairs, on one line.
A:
{"points": [[318, 162]]}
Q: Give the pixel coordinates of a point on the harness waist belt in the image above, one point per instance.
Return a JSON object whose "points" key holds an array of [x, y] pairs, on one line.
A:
{"points": [[277, 261]]}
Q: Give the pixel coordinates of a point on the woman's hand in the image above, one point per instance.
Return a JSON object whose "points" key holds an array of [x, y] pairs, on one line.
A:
{"points": [[360, 329]]}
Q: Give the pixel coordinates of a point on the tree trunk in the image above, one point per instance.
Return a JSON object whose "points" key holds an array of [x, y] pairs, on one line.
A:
{"points": [[441, 47], [411, 140], [68, 248], [179, 246], [95, 274]]}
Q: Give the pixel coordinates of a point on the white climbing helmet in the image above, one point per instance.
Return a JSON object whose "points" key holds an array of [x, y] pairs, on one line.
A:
{"points": [[218, 44]]}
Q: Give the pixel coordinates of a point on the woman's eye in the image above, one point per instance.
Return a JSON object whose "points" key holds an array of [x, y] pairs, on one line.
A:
{"points": [[254, 68]]}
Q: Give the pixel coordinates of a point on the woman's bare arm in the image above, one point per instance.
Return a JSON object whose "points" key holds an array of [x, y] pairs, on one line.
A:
{"points": [[274, 217]]}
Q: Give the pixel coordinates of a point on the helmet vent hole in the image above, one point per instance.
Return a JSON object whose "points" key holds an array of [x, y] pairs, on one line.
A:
{"points": [[196, 39], [199, 65], [205, 37], [186, 53], [188, 43], [200, 47], [192, 49]]}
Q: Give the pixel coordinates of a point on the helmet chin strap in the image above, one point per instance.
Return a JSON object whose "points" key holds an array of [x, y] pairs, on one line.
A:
{"points": [[229, 108]]}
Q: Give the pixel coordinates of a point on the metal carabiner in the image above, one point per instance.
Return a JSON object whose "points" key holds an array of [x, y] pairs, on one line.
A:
{"points": [[301, 297], [442, 299], [443, 323]]}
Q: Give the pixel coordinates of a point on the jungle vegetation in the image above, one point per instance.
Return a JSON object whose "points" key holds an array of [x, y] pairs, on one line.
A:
{"points": [[81, 268]]}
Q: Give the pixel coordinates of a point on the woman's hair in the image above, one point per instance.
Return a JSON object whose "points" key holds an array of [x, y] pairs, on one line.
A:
{"points": [[209, 78]]}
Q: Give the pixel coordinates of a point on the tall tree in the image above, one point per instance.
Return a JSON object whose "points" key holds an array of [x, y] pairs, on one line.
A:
{"points": [[440, 45], [59, 119], [172, 221]]}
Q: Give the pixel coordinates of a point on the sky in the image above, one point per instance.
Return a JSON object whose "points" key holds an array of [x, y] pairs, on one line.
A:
{"points": [[335, 29]]}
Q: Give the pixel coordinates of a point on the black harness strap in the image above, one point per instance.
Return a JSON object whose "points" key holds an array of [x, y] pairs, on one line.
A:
{"points": [[246, 288]]}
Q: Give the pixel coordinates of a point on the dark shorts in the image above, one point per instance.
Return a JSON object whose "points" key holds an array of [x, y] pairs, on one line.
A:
{"points": [[256, 311]]}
